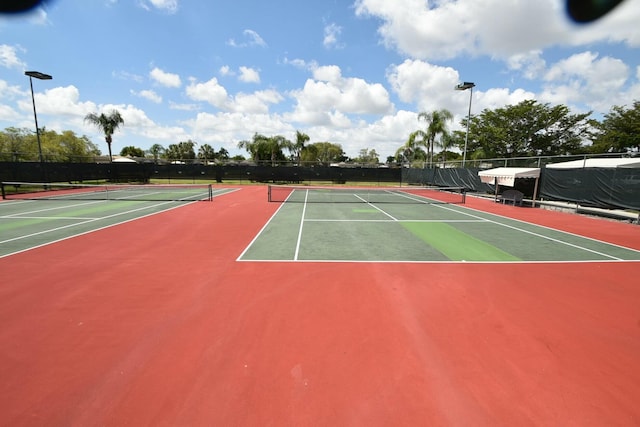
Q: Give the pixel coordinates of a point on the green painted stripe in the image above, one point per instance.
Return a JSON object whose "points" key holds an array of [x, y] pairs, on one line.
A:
{"points": [[456, 245], [366, 211]]}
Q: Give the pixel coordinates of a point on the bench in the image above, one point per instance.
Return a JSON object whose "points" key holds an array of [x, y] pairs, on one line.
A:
{"points": [[514, 196]]}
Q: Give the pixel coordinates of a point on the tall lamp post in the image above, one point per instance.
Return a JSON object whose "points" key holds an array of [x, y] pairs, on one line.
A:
{"points": [[465, 86], [41, 76]]}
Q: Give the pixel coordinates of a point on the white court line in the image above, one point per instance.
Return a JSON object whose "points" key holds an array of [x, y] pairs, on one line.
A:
{"points": [[261, 231], [86, 222], [304, 210], [47, 217], [18, 215], [395, 220], [443, 206], [537, 234], [346, 261], [375, 207], [477, 219]]}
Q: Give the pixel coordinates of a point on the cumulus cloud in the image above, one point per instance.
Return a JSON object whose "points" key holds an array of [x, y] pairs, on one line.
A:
{"points": [[301, 63], [228, 128], [257, 102], [587, 78], [211, 92], [165, 79], [168, 6], [9, 92], [530, 64], [449, 28], [148, 95], [331, 36], [249, 75], [329, 97], [225, 70], [427, 85], [251, 38], [59, 101], [9, 57]]}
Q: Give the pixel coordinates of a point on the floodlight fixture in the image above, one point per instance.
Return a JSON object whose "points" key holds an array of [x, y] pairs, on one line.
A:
{"points": [[40, 76], [465, 86]]}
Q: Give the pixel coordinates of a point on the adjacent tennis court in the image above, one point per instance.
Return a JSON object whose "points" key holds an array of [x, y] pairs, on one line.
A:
{"points": [[313, 309], [40, 214], [409, 224]]}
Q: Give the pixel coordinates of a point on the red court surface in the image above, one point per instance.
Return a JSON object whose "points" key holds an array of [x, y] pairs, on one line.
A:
{"points": [[153, 322]]}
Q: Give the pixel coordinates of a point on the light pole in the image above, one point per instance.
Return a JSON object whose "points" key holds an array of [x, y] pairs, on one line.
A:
{"points": [[465, 86], [41, 76]]}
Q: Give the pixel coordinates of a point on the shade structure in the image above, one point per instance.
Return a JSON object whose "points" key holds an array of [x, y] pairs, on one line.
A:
{"points": [[597, 163], [507, 176]]}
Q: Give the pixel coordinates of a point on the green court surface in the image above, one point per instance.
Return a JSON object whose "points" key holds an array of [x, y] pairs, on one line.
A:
{"points": [[25, 224], [416, 232]]}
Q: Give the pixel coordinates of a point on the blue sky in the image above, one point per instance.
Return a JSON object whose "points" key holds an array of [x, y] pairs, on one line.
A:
{"points": [[351, 72]]}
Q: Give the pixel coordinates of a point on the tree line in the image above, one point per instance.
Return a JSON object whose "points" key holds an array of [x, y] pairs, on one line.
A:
{"points": [[527, 129]]}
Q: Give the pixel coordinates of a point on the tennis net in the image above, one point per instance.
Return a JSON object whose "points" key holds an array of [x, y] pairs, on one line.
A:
{"points": [[137, 192], [321, 194]]}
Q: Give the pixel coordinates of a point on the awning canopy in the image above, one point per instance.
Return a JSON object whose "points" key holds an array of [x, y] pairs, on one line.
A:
{"points": [[121, 159], [597, 163], [507, 176]]}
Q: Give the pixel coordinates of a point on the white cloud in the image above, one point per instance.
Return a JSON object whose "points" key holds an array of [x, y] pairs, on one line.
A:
{"points": [[149, 95], [183, 107], [9, 92], [225, 70], [252, 38], [530, 64], [429, 86], [328, 73], [257, 102], [168, 6], [9, 114], [165, 79], [211, 92], [228, 128], [331, 36], [449, 28], [589, 79], [330, 97], [124, 75], [59, 101], [249, 75], [301, 63], [9, 57]]}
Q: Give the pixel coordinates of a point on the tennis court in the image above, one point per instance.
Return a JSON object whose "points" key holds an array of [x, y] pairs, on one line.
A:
{"points": [[40, 214], [200, 312], [410, 225]]}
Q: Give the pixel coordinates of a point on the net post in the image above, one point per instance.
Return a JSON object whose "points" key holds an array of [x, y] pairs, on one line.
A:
{"points": [[269, 193], [210, 192], [4, 195]]}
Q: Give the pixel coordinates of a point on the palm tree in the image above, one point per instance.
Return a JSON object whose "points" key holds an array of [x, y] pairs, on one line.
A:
{"points": [[262, 147], [206, 153], [156, 150], [411, 148], [107, 123], [436, 125], [298, 146]]}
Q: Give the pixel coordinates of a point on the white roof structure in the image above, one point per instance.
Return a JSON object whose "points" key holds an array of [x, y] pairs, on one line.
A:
{"points": [[597, 163], [507, 176], [121, 159]]}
